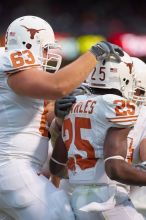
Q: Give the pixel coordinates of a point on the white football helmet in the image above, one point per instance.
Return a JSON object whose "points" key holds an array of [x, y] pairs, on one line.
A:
{"points": [[35, 34], [110, 74], [139, 88]]}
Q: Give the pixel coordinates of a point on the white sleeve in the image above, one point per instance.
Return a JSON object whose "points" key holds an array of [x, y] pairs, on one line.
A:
{"points": [[16, 60], [138, 133], [119, 111]]}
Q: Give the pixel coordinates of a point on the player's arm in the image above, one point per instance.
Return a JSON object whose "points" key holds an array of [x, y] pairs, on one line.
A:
{"points": [[58, 159], [38, 84], [115, 150], [142, 149], [57, 162]]}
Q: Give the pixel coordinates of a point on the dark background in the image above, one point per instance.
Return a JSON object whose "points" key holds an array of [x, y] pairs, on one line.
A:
{"points": [[100, 17], [80, 17]]}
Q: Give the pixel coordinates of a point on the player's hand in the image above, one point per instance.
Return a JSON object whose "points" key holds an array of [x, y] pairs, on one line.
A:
{"points": [[63, 105], [81, 90], [104, 50]]}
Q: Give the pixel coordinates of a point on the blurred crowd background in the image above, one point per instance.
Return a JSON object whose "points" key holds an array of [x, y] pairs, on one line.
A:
{"points": [[79, 24]]}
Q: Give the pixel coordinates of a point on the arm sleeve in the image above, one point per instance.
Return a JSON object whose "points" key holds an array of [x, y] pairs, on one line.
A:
{"points": [[17, 60], [119, 111]]}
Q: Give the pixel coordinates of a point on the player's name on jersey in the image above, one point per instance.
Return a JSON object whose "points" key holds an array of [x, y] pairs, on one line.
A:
{"points": [[84, 107]]}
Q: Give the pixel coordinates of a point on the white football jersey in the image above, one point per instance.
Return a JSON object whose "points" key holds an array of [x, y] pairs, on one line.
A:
{"points": [[2, 49], [136, 135], [23, 132], [84, 131]]}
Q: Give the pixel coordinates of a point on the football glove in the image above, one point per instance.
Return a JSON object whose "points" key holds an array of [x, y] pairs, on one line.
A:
{"points": [[81, 90], [104, 50], [63, 105]]}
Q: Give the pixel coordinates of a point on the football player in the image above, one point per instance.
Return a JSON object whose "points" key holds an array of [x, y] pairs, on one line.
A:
{"points": [[125, 155], [125, 146], [95, 196], [25, 85], [125, 158]]}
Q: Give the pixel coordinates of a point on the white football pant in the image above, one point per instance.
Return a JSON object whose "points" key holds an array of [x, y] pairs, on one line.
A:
{"points": [[26, 196]]}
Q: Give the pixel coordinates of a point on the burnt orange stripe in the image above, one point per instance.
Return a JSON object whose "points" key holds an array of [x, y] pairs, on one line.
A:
{"points": [[119, 119], [123, 121], [122, 117]]}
